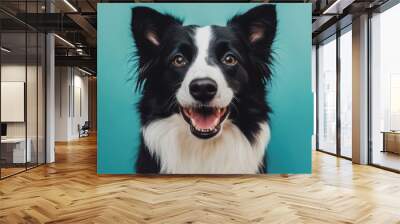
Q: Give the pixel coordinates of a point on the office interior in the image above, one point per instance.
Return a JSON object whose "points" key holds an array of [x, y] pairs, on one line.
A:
{"points": [[48, 81], [60, 56], [45, 87], [334, 70]]}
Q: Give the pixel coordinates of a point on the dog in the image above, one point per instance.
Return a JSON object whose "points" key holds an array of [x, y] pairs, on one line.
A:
{"points": [[203, 107]]}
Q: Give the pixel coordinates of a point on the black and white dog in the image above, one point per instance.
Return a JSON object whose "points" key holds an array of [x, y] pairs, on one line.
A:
{"points": [[203, 107]]}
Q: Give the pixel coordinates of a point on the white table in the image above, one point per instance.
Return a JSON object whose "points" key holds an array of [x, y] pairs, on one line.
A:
{"points": [[19, 153]]}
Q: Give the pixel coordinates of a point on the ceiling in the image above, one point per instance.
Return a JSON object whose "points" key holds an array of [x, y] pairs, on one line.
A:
{"points": [[75, 22]]}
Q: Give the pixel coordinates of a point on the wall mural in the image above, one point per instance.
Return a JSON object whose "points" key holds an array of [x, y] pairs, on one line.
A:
{"points": [[204, 88]]}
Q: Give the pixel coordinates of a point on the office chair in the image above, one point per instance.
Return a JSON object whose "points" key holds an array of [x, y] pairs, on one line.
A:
{"points": [[84, 130]]}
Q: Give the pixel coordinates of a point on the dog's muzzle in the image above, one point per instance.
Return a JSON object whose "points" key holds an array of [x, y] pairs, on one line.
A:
{"points": [[205, 119]]}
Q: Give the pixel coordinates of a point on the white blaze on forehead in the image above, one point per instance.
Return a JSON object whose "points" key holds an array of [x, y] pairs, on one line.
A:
{"points": [[202, 40], [199, 68]]}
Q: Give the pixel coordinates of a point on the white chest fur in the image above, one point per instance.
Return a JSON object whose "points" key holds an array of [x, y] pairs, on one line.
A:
{"points": [[179, 152]]}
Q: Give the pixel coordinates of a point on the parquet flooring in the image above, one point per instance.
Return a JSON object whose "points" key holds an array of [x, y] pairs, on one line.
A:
{"points": [[70, 191], [5, 172]]}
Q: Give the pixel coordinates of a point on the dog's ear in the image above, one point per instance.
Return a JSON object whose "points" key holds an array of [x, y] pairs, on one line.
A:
{"points": [[149, 27], [258, 25]]}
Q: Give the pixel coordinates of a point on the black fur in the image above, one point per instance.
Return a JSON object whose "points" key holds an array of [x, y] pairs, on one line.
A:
{"points": [[158, 80]]}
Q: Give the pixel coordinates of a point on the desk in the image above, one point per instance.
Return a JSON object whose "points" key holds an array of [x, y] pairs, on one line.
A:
{"points": [[15, 148], [391, 141]]}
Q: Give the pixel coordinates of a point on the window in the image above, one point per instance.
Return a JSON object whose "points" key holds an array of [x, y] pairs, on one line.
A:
{"points": [[394, 102], [346, 93], [385, 89], [327, 96], [334, 106]]}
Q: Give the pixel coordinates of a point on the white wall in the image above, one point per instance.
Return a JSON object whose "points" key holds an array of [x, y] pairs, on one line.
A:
{"points": [[62, 82], [80, 112], [70, 84]]}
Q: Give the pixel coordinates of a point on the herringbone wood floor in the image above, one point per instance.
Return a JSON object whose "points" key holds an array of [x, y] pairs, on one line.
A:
{"points": [[70, 191]]}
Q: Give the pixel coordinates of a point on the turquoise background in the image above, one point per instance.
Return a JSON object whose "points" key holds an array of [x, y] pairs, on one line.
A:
{"points": [[290, 94]]}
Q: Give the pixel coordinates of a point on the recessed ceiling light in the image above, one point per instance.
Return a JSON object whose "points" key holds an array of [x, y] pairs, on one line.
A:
{"points": [[65, 41], [84, 71], [337, 7], [5, 50], [70, 5]]}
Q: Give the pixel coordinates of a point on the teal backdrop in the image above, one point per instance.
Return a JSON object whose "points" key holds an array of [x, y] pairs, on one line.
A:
{"points": [[290, 93]]}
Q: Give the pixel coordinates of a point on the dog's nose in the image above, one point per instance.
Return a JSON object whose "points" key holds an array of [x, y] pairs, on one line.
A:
{"points": [[203, 89]]}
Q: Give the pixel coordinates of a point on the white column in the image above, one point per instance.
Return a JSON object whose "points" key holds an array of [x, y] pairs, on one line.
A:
{"points": [[50, 100]]}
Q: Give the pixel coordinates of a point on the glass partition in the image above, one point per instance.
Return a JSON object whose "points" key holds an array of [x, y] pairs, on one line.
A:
{"points": [[22, 77], [14, 153]]}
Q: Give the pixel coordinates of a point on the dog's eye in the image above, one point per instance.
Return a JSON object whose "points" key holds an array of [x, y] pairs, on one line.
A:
{"points": [[229, 59], [179, 61]]}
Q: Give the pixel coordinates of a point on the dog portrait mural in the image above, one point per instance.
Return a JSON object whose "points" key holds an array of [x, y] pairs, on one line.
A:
{"points": [[204, 88]]}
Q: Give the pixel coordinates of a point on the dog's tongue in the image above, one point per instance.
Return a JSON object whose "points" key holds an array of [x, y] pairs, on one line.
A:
{"points": [[205, 122]]}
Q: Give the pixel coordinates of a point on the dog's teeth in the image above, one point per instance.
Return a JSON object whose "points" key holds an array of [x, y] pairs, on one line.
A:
{"points": [[205, 129]]}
